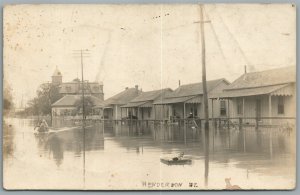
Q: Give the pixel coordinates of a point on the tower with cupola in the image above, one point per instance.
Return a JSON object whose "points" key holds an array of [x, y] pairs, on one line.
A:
{"points": [[56, 77]]}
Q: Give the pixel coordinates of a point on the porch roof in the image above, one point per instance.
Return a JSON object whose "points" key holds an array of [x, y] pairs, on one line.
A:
{"points": [[71, 101], [230, 93], [173, 100], [133, 104]]}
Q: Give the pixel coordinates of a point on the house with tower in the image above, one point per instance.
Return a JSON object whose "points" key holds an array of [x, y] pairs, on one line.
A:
{"points": [[73, 90]]}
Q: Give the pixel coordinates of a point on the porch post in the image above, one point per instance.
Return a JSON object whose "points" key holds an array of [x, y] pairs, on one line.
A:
{"points": [[212, 109], [121, 115], [228, 115], [116, 111], [183, 110], [270, 109], [163, 113], [243, 107], [154, 110]]}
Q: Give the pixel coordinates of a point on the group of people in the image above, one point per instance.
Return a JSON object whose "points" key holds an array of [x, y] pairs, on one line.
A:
{"points": [[42, 126]]}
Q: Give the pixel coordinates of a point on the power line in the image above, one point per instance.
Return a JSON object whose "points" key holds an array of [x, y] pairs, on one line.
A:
{"points": [[232, 36], [217, 39]]}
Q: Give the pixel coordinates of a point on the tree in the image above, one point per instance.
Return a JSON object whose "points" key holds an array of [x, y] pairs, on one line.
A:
{"points": [[7, 97], [88, 105], [47, 94]]}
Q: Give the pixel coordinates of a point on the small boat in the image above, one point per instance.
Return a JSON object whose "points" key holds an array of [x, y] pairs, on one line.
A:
{"points": [[42, 129], [180, 160]]}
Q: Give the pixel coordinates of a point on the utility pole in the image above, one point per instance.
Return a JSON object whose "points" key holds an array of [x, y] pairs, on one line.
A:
{"points": [[82, 53], [205, 98]]}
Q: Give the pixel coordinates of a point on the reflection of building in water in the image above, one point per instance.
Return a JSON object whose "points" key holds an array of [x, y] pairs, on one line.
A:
{"points": [[113, 104], [269, 93], [57, 143], [142, 106], [187, 100], [55, 147]]}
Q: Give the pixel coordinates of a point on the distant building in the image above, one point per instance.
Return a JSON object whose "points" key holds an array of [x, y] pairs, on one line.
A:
{"points": [[142, 106], [113, 104], [66, 106], [270, 93], [187, 101], [75, 87], [72, 91]]}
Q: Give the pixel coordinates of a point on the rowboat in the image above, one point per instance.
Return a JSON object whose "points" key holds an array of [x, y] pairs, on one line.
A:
{"points": [[176, 160]]}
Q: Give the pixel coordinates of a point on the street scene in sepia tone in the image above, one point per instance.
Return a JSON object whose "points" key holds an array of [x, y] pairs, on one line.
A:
{"points": [[149, 97]]}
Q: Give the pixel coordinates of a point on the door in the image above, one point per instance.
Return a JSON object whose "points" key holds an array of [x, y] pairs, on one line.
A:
{"points": [[258, 109]]}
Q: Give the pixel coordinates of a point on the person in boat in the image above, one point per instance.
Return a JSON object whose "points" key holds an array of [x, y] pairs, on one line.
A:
{"points": [[42, 127], [179, 157]]}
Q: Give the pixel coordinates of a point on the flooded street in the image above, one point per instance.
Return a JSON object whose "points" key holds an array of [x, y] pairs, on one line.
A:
{"points": [[128, 157]]}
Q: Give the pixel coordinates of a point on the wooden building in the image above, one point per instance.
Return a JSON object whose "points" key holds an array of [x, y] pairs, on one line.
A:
{"points": [[112, 109], [142, 106], [67, 105], [75, 87], [270, 93], [187, 101]]}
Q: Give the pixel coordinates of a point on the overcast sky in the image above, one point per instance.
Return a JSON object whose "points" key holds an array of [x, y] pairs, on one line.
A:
{"points": [[152, 46]]}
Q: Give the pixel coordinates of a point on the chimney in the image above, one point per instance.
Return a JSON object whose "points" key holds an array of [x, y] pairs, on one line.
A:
{"points": [[179, 83], [136, 87], [245, 69], [126, 88]]}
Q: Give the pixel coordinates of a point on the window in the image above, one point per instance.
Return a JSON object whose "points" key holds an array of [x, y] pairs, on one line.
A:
{"points": [[280, 105], [95, 88], [222, 107], [68, 88], [240, 106], [149, 112]]}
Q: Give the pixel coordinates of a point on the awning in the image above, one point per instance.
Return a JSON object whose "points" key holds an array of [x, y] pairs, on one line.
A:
{"points": [[146, 105], [133, 104], [288, 90], [173, 100], [247, 92], [195, 100]]}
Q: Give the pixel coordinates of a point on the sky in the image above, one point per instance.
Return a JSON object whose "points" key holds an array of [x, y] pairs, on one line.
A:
{"points": [[152, 46]]}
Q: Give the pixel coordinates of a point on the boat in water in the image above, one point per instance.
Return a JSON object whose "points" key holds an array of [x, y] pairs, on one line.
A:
{"points": [[179, 160]]}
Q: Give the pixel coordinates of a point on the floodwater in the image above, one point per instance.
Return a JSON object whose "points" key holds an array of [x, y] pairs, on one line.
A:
{"points": [[115, 156]]}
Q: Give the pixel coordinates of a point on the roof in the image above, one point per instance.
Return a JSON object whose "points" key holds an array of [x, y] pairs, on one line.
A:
{"points": [[123, 98], [70, 100], [173, 100], [188, 92], [249, 91], [134, 104], [145, 98], [260, 83], [265, 78], [195, 88], [152, 95], [75, 87]]}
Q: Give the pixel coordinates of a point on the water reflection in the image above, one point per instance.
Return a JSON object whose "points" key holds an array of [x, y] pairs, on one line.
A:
{"points": [[244, 155]]}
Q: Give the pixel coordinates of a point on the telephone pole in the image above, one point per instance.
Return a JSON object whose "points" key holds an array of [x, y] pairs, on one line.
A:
{"points": [[82, 53], [205, 98]]}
